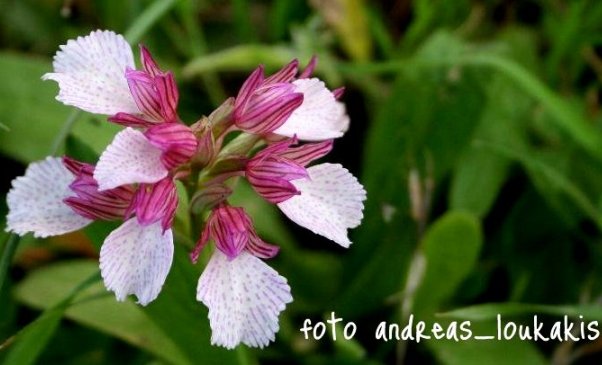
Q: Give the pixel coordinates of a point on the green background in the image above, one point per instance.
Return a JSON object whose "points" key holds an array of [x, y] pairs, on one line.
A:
{"points": [[475, 129]]}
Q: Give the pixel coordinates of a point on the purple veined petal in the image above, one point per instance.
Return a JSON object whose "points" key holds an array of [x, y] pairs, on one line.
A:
{"points": [[129, 159], [75, 166], [93, 204], [276, 167], [273, 190], [331, 201], [130, 120], [229, 227], [259, 248], [145, 94], [90, 72], [35, 201], [176, 140], [245, 297], [338, 93], [95, 210], [308, 152], [200, 245], [136, 259], [148, 63], [270, 113], [156, 202], [247, 89], [319, 117], [166, 136], [275, 148], [168, 96], [309, 69], [285, 74]]}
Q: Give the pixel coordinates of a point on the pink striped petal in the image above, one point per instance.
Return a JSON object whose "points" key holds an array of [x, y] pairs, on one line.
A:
{"points": [[331, 201], [319, 117], [176, 140], [260, 248], [130, 120], [309, 69], [90, 72], [35, 202], [148, 62], [156, 202], [268, 108], [308, 152], [129, 159], [168, 96], [244, 296], [135, 259], [142, 87], [285, 74], [247, 89]]}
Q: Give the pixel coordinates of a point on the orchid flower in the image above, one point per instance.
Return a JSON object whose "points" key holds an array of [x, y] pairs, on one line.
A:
{"points": [[134, 179]]}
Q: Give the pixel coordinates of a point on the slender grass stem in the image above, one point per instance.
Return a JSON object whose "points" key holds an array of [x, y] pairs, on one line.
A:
{"points": [[8, 251]]}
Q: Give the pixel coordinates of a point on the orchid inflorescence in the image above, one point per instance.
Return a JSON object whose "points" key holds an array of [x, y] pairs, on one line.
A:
{"points": [[280, 125]]}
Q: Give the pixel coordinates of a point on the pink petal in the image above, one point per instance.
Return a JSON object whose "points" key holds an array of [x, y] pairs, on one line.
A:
{"points": [[176, 140], [148, 63], [331, 201], [248, 88], [285, 74], [156, 202], [135, 259], [244, 297], [309, 69], [308, 152], [90, 72], [319, 117], [268, 108], [35, 202], [142, 87], [129, 159]]}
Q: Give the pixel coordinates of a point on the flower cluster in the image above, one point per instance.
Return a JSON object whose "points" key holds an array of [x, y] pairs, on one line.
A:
{"points": [[283, 123]]}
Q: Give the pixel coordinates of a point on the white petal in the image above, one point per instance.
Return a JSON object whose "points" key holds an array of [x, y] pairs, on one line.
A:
{"points": [[90, 72], [319, 117], [129, 159], [244, 297], [331, 201], [135, 259], [35, 202]]}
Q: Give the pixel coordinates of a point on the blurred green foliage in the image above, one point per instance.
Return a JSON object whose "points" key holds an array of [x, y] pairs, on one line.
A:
{"points": [[476, 130]]}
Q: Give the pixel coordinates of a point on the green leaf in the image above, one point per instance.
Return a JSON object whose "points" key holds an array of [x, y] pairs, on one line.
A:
{"points": [[31, 341], [240, 58], [428, 120], [34, 116], [96, 308], [33, 338], [147, 18], [488, 311], [177, 313], [480, 174], [477, 352], [551, 182], [451, 247]]}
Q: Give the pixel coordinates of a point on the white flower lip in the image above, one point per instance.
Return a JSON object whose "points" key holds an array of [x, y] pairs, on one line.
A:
{"points": [[35, 202], [90, 72]]}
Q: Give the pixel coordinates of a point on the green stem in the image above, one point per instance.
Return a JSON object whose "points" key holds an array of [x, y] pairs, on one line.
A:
{"points": [[147, 19], [8, 251], [243, 357], [60, 138], [198, 48]]}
